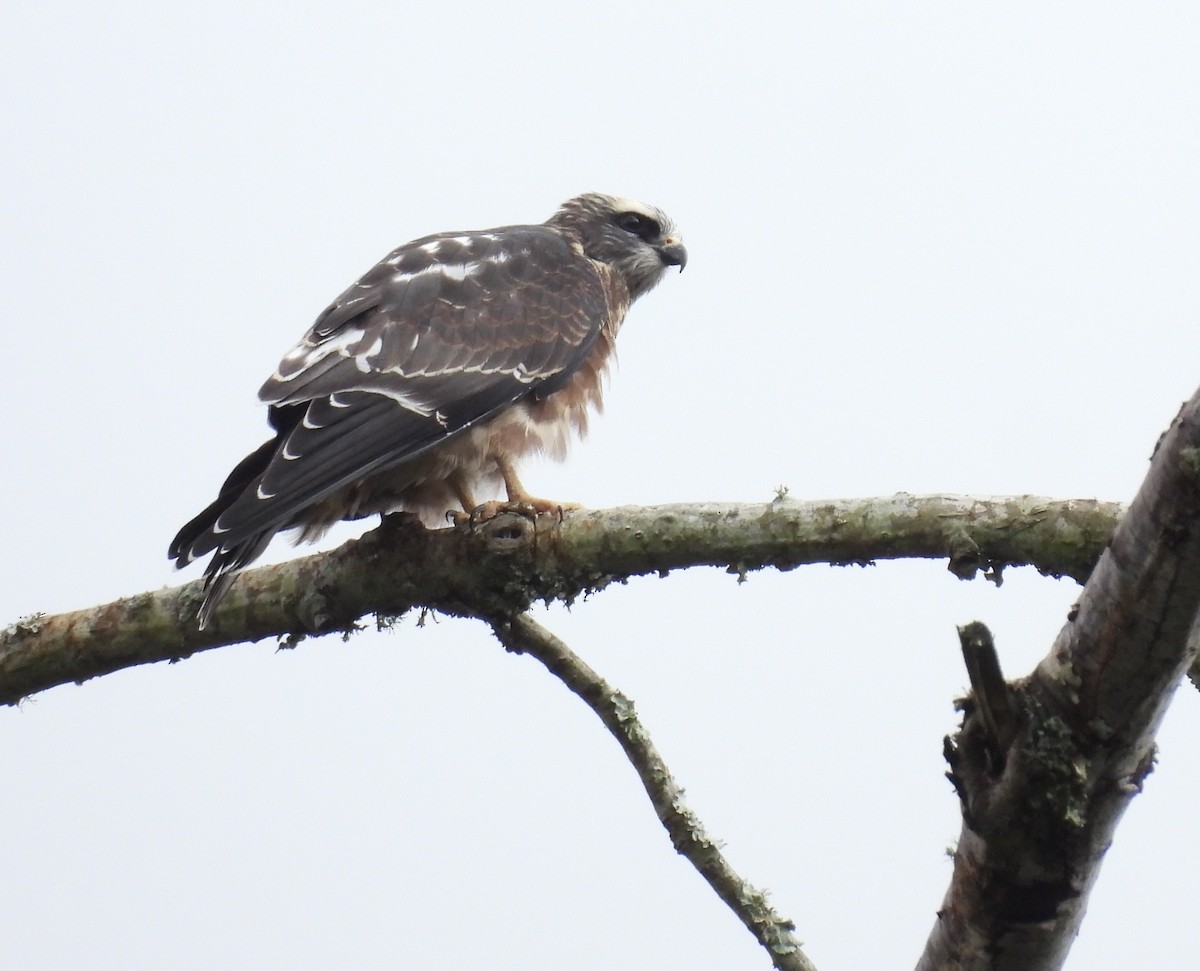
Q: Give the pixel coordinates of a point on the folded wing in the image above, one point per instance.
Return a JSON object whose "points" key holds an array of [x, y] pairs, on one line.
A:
{"points": [[441, 335]]}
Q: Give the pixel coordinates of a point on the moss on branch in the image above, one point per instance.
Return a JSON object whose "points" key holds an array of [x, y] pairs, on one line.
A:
{"points": [[499, 567]]}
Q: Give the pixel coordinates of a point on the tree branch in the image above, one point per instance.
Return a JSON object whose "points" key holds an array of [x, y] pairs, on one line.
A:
{"points": [[502, 566], [1039, 815], [524, 635], [989, 690]]}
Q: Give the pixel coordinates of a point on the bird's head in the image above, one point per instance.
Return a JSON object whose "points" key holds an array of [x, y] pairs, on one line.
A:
{"points": [[636, 240]]}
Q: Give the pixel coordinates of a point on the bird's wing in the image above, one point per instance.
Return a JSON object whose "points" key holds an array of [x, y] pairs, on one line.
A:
{"points": [[442, 334]]}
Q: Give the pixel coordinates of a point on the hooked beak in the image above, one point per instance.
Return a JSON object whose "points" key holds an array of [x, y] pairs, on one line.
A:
{"points": [[672, 252]]}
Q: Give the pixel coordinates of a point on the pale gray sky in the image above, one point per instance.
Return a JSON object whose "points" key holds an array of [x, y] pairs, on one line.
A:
{"points": [[934, 248]]}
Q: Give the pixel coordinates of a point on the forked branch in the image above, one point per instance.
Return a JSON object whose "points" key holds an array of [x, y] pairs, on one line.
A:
{"points": [[1044, 784]]}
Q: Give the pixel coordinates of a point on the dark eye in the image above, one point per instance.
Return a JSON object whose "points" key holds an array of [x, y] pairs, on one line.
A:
{"points": [[641, 226]]}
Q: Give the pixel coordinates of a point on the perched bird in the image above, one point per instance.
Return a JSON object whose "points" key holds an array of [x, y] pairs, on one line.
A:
{"points": [[431, 376]]}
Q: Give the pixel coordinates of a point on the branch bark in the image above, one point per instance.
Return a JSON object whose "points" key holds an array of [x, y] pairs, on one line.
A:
{"points": [[524, 635], [504, 565], [1040, 811]]}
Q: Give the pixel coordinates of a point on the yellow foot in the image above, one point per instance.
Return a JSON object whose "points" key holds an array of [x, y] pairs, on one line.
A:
{"points": [[528, 506]]}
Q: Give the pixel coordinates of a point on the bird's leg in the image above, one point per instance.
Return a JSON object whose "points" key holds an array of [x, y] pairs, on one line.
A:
{"points": [[518, 496], [519, 500], [466, 499]]}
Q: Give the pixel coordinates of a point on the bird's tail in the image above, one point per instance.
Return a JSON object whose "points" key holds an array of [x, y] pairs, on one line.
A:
{"points": [[223, 569], [231, 552]]}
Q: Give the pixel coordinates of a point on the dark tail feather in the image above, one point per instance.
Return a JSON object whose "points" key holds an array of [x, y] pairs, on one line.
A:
{"points": [[197, 537], [223, 569]]}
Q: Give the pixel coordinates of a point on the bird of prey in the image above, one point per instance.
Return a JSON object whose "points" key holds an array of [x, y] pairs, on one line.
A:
{"points": [[426, 381]]}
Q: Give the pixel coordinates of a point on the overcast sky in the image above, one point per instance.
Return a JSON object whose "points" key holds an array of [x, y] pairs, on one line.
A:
{"points": [[933, 248]]}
